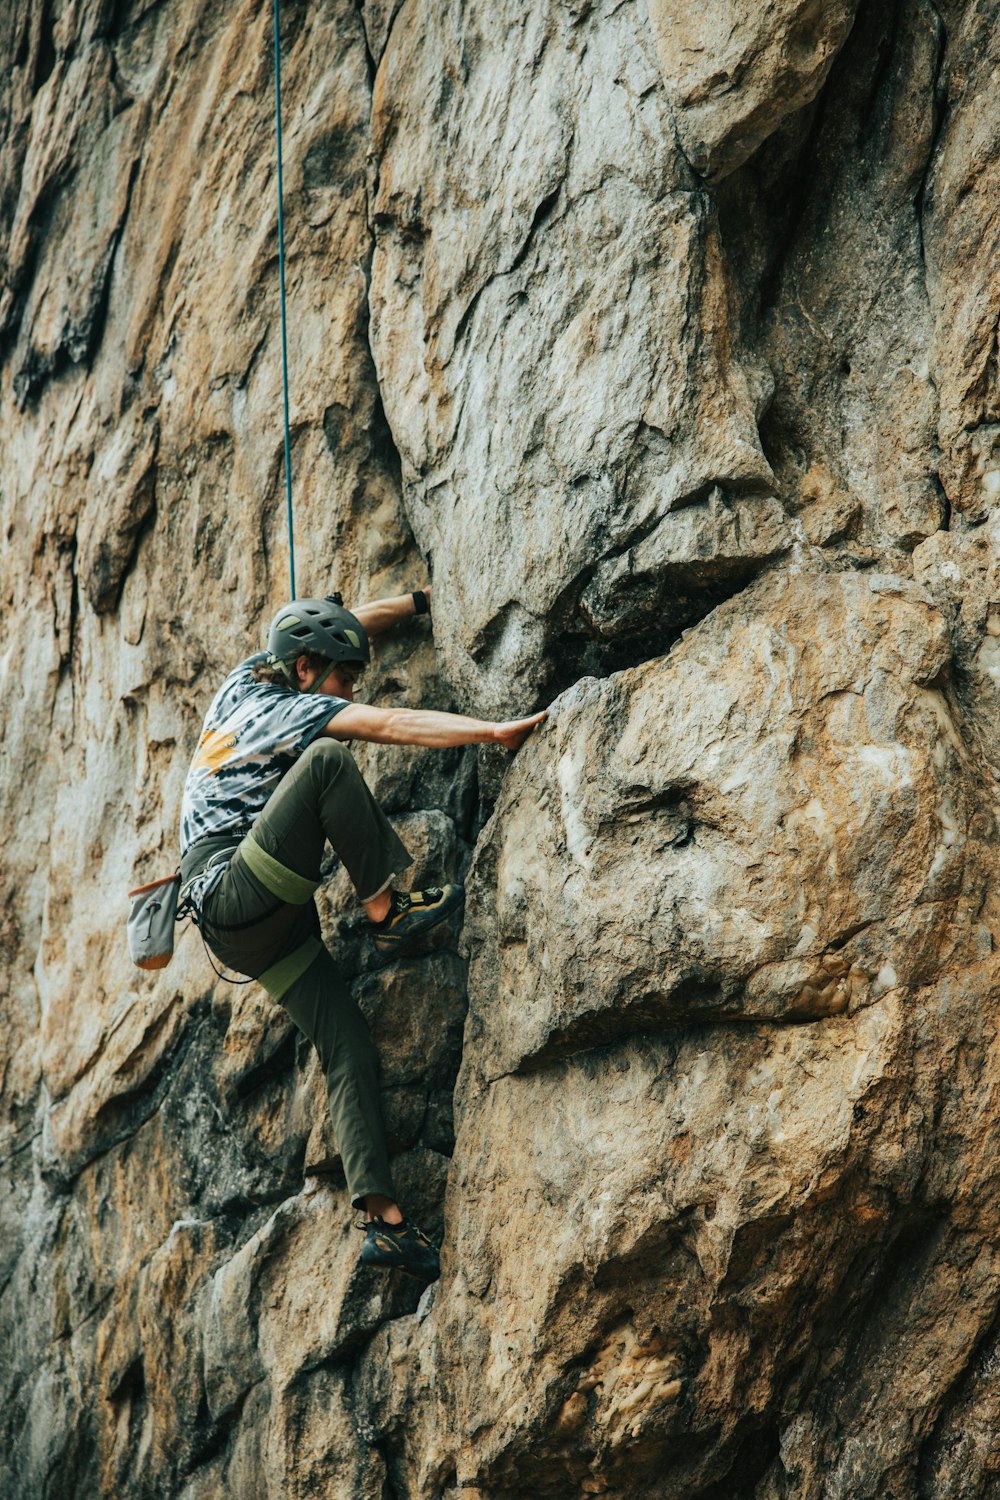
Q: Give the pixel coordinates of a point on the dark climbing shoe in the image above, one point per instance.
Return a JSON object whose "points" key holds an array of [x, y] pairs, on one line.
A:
{"points": [[411, 914], [401, 1246]]}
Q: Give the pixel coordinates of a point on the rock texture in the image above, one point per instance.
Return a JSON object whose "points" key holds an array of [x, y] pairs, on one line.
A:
{"points": [[663, 339]]}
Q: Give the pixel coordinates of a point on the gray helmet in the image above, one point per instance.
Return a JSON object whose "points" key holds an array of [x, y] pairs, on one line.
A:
{"points": [[320, 625]]}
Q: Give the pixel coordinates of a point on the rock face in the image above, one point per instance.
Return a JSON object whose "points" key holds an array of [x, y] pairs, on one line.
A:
{"points": [[663, 340]]}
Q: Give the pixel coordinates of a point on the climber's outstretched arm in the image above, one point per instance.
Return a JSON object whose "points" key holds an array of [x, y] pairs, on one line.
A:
{"points": [[382, 614], [426, 726]]}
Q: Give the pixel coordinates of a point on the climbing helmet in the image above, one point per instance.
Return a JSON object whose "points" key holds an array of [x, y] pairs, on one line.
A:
{"points": [[320, 625]]}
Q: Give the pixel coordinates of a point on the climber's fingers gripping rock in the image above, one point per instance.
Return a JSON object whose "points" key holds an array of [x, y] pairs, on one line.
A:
{"points": [[514, 733]]}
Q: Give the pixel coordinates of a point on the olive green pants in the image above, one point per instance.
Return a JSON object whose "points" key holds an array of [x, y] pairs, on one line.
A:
{"points": [[261, 920]]}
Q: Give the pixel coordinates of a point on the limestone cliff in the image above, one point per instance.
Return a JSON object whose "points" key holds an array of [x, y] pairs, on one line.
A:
{"points": [[663, 339]]}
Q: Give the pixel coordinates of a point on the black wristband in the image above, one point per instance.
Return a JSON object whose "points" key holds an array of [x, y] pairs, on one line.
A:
{"points": [[420, 605]]}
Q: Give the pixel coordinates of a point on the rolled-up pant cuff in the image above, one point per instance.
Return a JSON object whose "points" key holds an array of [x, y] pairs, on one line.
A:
{"points": [[384, 1190], [387, 882]]}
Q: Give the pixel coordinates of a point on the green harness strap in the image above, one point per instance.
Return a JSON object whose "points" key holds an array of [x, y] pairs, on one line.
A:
{"points": [[280, 977], [276, 877], [296, 890]]}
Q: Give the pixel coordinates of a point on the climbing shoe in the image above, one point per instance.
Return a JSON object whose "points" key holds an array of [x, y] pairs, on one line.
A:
{"points": [[402, 1246], [411, 914]]}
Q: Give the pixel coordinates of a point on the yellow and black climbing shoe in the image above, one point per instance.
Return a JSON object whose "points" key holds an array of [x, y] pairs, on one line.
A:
{"points": [[402, 1246], [411, 914]]}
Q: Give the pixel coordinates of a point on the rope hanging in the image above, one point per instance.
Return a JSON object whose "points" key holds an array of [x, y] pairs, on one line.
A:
{"points": [[281, 273]]}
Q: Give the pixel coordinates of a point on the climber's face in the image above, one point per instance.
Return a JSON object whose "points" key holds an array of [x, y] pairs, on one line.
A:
{"points": [[338, 684]]}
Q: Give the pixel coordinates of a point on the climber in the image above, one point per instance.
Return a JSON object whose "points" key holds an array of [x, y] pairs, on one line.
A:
{"points": [[270, 782]]}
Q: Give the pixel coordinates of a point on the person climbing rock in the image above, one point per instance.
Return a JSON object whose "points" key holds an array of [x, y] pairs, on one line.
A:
{"points": [[271, 781]]}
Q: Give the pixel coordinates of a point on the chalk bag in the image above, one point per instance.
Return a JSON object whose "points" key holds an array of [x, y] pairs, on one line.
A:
{"points": [[151, 920]]}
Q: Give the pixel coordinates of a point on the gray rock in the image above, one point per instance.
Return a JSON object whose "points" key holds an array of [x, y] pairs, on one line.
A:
{"points": [[583, 282]]}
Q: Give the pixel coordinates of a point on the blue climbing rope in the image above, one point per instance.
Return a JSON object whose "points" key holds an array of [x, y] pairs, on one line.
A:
{"points": [[284, 321]]}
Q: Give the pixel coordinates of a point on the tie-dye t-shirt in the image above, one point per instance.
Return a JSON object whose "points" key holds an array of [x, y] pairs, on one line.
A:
{"points": [[253, 733]]}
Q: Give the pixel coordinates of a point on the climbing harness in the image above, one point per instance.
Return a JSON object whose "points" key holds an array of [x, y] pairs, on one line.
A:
{"points": [[191, 906], [195, 916], [281, 277], [155, 910]]}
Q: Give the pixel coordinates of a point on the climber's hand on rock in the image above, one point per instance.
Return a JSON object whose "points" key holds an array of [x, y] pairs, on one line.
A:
{"points": [[514, 733]]}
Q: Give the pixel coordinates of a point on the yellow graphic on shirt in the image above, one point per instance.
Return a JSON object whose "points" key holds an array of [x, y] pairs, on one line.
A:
{"points": [[213, 750]]}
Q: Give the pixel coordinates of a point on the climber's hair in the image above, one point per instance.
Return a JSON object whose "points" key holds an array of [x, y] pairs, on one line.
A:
{"points": [[263, 673]]}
